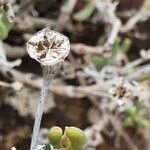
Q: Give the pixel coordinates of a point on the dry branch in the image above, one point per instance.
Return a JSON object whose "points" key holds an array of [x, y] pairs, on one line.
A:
{"points": [[80, 48]]}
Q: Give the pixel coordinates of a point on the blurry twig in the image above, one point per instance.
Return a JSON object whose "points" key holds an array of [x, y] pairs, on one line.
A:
{"points": [[29, 23], [106, 9], [25, 4], [140, 16], [69, 91], [14, 51], [118, 126], [145, 56], [19, 133], [80, 48], [93, 135], [142, 72], [66, 11], [4, 64], [133, 64], [98, 90], [116, 25], [7, 6], [15, 85], [68, 7], [27, 78]]}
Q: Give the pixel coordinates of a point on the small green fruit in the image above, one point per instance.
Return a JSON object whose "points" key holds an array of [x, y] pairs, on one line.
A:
{"points": [[55, 136]]}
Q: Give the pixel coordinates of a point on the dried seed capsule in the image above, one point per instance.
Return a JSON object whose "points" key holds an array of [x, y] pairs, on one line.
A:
{"points": [[48, 47]]}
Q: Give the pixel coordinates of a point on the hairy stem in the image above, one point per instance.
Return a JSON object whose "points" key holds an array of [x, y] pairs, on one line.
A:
{"points": [[48, 73]]}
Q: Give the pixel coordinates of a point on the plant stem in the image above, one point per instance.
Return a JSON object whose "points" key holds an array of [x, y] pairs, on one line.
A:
{"points": [[48, 73]]}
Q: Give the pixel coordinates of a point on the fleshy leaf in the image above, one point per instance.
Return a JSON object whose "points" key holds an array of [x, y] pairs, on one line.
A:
{"points": [[54, 136], [5, 25], [85, 12], [76, 137]]}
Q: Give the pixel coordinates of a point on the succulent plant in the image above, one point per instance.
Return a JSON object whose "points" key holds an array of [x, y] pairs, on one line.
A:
{"points": [[73, 138]]}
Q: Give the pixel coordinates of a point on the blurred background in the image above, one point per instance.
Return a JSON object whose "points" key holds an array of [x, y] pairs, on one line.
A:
{"points": [[103, 87]]}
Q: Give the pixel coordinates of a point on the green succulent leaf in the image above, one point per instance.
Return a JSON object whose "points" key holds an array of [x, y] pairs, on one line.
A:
{"points": [[120, 47], [5, 25], [138, 104], [126, 44], [85, 12], [3, 31], [72, 139], [55, 136], [99, 62], [132, 116], [76, 137]]}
